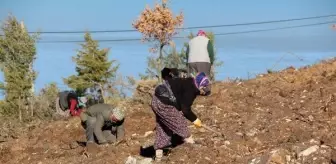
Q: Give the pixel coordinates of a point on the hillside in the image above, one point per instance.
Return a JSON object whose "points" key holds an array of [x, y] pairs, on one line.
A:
{"points": [[282, 117]]}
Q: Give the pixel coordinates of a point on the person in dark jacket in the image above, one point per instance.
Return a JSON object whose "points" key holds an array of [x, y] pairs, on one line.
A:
{"points": [[68, 103], [173, 73], [172, 103]]}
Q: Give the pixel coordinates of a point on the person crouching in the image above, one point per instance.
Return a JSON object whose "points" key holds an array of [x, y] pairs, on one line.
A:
{"points": [[103, 122]]}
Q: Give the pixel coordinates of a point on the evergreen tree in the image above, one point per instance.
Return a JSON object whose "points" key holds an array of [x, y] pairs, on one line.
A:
{"points": [[92, 66], [17, 54]]}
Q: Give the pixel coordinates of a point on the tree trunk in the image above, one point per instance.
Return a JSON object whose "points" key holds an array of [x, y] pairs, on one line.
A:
{"points": [[102, 92], [20, 110], [161, 50], [160, 63], [31, 106], [20, 114]]}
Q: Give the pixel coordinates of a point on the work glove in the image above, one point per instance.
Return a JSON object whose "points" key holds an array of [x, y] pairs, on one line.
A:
{"points": [[198, 123]]}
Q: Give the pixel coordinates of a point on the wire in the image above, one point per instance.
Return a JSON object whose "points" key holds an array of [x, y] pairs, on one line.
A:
{"points": [[193, 27], [273, 29], [180, 37]]}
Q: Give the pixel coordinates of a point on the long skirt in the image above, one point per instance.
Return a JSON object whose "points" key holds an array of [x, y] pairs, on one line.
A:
{"points": [[197, 67], [169, 121]]}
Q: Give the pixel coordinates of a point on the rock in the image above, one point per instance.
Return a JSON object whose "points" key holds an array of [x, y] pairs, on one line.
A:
{"points": [[255, 161], [325, 146], [148, 133], [252, 132], [131, 160], [314, 141], [288, 158], [227, 142], [309, 151], [310, 118], [202, 130], [288, 120], [239, 134], [258, 108], [279, 156], [146, 161]]}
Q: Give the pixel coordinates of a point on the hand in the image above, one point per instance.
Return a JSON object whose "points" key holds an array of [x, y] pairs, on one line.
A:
{"points": [[198, 123], [202, 92], [189, 140], [73, 113]]}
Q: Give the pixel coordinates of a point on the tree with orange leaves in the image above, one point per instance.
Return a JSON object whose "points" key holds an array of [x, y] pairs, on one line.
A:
{"points": [[158, 25]]}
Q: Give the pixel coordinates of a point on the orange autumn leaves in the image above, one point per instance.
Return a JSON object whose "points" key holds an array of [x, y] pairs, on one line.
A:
{"points": [[158, 25]]}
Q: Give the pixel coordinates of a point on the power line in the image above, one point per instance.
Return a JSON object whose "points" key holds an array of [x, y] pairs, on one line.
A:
{"points": [[274, 29], [180, 37], [192, 27]]}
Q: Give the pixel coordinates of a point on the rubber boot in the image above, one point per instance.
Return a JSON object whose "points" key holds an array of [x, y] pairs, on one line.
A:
{"points": [[158, 155]]}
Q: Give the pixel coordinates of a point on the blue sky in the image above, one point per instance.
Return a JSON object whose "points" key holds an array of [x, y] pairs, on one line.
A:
{"points": [[243, 54]]}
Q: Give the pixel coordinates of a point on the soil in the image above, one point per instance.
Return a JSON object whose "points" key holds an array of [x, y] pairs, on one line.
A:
{"points": [[287, 116]]}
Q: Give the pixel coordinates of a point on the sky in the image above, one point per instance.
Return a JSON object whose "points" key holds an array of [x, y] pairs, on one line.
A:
{"points": [[243, 55]]}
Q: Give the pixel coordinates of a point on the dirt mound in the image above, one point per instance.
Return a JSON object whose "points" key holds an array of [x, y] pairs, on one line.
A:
{"points": [[143, 91], [283, 117]]}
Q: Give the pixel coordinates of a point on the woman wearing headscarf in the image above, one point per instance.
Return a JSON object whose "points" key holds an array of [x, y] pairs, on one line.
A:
{"points": [[68, 103], [200, 54], [172, 103]]}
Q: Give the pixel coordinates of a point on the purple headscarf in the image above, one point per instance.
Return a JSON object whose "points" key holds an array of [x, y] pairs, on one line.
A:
{"points": [[201, 80]]}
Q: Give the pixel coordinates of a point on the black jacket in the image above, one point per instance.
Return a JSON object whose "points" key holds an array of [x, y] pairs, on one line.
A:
{"points": [[185, 93]]}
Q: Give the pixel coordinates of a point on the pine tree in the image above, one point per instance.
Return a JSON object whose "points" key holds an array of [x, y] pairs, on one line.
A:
{"points": [[92, 66], [17, 54]]}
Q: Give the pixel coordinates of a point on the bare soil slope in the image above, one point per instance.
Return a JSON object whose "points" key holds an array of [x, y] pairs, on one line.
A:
{"points": [[284, 117]]}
